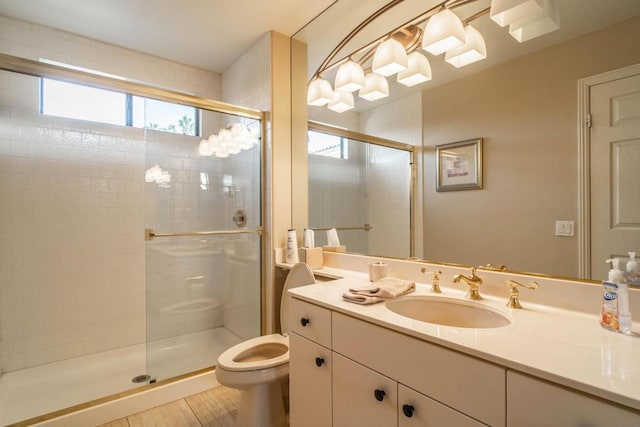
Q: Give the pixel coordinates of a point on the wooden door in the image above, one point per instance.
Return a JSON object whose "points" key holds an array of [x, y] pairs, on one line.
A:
{"points": [[615, 172]]}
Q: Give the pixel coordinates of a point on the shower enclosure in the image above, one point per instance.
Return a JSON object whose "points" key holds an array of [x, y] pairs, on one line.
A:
{"points": [[130, 252]]}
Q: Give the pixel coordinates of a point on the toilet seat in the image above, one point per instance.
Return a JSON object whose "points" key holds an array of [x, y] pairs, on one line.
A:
{"points": [[234, 358]]}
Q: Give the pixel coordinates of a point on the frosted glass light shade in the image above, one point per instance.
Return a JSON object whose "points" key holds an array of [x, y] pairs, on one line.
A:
{"points": [[375, 87], [443, 32], [506, 12], [390, 57], [418, 71], [536, 25], [319, 92], [350, 77], [474, 49], [341, 102]]}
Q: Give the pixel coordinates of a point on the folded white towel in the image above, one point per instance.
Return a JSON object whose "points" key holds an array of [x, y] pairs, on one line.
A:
{"points": [[380, 290]]}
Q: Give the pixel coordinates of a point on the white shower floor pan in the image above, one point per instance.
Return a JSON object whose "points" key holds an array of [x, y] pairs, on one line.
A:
{"points": [[31, 392]]}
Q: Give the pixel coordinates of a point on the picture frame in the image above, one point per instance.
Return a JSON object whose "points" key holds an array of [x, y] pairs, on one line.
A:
{"points": [[459, 165]]}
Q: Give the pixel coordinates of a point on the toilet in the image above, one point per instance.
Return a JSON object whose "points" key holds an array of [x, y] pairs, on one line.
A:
{"points": [[257, 367]]}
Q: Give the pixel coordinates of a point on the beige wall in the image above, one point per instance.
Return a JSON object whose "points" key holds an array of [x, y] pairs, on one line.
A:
{"points": [[526, 111]]}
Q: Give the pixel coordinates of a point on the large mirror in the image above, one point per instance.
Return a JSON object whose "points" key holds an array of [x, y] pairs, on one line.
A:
{"points": [[523, 100]]}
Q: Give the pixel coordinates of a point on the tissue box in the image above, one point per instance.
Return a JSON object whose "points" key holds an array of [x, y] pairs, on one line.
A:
{"points": [[311, 256], [341, 248]]}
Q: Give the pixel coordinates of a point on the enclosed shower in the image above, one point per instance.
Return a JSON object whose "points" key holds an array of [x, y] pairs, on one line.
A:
{"points": [[130, 236]]}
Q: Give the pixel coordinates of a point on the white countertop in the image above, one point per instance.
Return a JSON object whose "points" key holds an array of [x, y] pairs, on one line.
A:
{"points": [[565, 347]]}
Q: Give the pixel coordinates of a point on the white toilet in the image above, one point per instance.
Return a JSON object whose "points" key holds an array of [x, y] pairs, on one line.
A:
{"points": [[258, 366]]}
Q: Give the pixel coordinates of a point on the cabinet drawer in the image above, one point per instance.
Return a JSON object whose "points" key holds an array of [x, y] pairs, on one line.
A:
{"points": [[472, 386], [418, 410], [309, 383], [362, 397], [532, 402], [310, 321]]}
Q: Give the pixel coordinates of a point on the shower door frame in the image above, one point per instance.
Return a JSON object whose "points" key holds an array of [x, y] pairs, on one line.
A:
{"points": [[45, 70]]}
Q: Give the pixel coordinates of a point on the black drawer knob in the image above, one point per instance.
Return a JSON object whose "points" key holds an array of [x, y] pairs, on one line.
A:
{"points": [[319, 361], [407, 410], [304, 321], [379, 394]]}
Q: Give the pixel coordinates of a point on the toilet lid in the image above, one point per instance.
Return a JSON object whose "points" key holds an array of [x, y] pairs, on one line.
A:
{"points": [[300, 275], [233, 359]]}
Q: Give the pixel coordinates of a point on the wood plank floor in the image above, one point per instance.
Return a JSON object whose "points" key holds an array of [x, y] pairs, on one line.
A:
{"points": [[216, 407]]}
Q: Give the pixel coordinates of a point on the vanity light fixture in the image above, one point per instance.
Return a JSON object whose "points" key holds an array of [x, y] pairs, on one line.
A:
{"points": [[390, 57], [418, 71], [443, 32], [473, 50], [350, 77], [506, 12], [341, 102], [375, 87], [319, 92], [536, 25], [396, 52]]}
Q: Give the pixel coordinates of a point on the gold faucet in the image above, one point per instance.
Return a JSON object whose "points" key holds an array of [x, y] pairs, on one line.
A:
{"points": [[513, 293], [474, 283], [435, 283]]}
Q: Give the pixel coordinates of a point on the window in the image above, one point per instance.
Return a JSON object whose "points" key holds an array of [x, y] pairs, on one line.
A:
{"points": [[327, 145], [81, 102]]}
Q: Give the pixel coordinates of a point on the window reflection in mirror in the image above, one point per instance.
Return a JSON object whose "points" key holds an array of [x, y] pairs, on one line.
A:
{"points": [[354, 181]]}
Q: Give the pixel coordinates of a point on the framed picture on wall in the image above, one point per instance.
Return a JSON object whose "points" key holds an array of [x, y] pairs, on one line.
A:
{"points": [[459, 165]]}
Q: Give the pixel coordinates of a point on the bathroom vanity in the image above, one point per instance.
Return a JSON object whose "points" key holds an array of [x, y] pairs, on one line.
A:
{"points": [[356, 365]]}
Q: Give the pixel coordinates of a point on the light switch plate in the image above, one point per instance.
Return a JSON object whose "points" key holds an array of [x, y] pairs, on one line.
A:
{"points": [[565, 228]]}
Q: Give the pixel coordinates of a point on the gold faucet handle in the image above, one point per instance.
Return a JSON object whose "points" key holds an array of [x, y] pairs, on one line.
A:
{"points": [[514, 301], [435, 283]]}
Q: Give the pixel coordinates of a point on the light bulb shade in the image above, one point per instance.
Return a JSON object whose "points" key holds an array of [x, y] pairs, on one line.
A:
{"points": [[443, 32], [205, 148], [341, 102], [474, 49], [350, 77], [506, 12], [536, 25], [390, 57], [375, 87], [319, 92], [418, 71]]}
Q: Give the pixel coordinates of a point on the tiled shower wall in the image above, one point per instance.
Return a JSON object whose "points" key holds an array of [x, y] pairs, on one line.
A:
{"points": [[72, 205]]}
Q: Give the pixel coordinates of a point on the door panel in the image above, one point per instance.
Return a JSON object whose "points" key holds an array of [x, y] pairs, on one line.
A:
{"points": [[615, 174]]}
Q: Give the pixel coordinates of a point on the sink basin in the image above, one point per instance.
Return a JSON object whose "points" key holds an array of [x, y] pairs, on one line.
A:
{"points": [[448, 312]]}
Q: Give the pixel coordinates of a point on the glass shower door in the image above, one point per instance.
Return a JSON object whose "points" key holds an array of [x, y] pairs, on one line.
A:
{"points": [[203, 242]]}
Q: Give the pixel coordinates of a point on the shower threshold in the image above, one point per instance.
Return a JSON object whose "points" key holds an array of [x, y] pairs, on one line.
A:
{"points": [[32, 392]]}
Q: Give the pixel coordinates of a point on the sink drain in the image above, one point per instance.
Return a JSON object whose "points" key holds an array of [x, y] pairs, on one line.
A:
{"points": [[141, 379]]}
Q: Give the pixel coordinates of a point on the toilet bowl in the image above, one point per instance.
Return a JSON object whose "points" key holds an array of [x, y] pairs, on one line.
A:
{"points": [[257, 367]]}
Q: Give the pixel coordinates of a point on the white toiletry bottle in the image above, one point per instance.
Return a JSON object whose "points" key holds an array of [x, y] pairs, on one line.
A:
{"points": [[617, 276], [633, 276]]}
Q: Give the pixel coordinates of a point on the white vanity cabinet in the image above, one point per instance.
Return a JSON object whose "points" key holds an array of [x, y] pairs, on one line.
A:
{"points": [[310, 365], [532, 402], [372, 373]]}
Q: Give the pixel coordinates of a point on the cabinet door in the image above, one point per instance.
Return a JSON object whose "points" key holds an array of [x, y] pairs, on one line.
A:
{"points": [[417, 410], [532, 403], [309, 383], [362, 397]]}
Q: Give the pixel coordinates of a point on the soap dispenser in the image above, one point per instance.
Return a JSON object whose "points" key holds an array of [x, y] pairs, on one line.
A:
{"points": [[617, 278]]}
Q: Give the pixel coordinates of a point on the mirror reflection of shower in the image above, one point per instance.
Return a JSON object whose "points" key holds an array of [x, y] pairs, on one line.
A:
{"points": [[354, 180]]}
